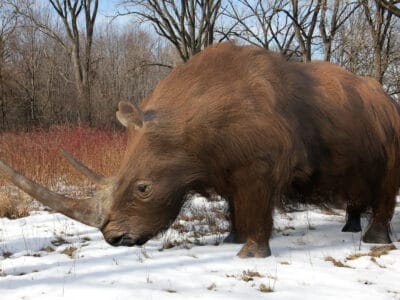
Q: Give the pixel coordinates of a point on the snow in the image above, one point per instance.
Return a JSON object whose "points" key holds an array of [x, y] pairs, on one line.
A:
{"points": [[48, 256]]}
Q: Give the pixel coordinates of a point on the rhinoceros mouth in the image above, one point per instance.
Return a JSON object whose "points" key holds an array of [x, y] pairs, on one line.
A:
{"points": [[126, 240]]}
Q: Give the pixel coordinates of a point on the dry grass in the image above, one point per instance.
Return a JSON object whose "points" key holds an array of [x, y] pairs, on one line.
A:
{"points": [[36, 155], [249, 275], [264, 289], [373, 259], [47, 249], [376, 251], [336, 263], [12, 206], [6, 254], [69, 251], [168, 244], [355, 256]]}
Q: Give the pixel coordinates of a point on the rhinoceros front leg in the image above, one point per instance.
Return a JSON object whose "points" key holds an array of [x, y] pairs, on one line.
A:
{"points": [[253, 221], [254, 248], [233, 236]]}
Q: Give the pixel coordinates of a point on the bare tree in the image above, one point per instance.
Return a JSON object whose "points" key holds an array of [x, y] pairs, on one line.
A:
{"points": [[392, 5], [124, 72], [8, 22], [334, 15], [70, 12], [188, 24], [29, 49], [260, 23], [304, 16], [379, 21], [356, 48]]}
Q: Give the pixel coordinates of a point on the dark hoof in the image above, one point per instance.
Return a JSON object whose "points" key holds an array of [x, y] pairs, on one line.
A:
{"points": [[353, 224], [232, 238], [254, 249], [377, 234]]}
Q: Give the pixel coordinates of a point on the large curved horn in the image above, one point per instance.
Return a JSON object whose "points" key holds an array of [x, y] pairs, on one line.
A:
{"points": [[85, 211], [82, 168]]}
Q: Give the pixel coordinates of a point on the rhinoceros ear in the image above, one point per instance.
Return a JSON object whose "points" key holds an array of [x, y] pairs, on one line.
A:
{"points": [[129, 113]]}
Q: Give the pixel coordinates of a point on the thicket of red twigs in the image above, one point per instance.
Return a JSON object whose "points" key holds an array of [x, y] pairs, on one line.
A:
{"points": [[35, 153]]}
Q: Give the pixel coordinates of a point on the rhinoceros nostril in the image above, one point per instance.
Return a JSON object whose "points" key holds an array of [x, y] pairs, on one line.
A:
{"points": [[116, 240]]}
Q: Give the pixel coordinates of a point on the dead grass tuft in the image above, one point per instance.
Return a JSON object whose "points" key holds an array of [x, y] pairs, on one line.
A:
{"points": [[168, 244], [376, 251], [47, 249], [249, 275], [337, 263], [355, 256], [264, 289], [69, 251], [7, 254], [252, 273], [373, 259], [12, 207]]}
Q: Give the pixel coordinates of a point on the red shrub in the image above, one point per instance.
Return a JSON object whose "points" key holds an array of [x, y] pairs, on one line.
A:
{"points": [[36, 153]]}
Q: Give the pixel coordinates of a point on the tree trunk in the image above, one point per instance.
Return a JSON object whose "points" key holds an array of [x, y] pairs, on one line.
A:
{"points": [[327, 50], [2, 97], [378, 74]]}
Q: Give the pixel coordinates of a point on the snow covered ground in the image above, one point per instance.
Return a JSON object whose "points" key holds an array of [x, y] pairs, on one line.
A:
{"points": [[48, 256]]}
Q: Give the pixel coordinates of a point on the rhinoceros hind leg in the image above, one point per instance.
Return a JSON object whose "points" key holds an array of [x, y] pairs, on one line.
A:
{"points": [[377, 234], [353, 223], [382, 212], [254, 249]]}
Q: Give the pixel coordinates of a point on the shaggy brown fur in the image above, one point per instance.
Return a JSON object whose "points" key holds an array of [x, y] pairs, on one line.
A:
{"points": [[257, 129]]}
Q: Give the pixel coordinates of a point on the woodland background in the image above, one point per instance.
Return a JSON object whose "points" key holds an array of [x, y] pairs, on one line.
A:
{"points": [[69, 62]]}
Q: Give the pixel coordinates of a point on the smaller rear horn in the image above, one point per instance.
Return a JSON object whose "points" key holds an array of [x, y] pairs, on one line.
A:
{"points": [[80, 167]]}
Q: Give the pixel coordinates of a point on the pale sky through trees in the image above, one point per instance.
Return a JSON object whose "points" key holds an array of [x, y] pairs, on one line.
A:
{"points": [[107, 6], [107, 10]]}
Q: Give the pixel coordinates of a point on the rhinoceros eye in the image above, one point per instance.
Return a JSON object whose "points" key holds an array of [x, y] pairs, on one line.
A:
{"points": [[143, 189]]}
